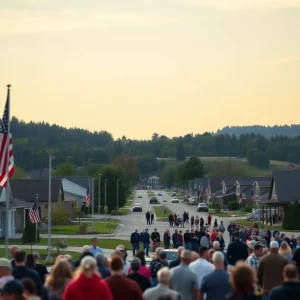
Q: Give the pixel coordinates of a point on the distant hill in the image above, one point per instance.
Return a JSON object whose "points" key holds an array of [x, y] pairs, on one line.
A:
{"points": [[267, 131]]}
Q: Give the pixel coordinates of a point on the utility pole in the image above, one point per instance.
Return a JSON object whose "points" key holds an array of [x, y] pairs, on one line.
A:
{"points": [[118, 194], [99, 191]]}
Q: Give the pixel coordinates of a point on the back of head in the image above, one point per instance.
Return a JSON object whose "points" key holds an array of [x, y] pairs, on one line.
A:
{"points": [[157, 252], [29, 286], [116, 263], [274, 247], [242, 276], [290, 272], [135, 264], [186, 256], [216, 245], [13, 249], [203, 250], [141, 255], [88, 266], [60, 272], [30, 261], [218, 257], [180, 249], [20, 256], [164, 275], [86, 249], [100, 258]]}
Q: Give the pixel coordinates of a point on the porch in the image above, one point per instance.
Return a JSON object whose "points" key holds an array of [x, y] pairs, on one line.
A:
{"points": [[272, 212]]}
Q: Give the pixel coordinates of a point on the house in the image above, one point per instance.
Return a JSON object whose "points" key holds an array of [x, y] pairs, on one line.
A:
{"points": [[284, 189], [18, 210], [150, 180], [74, 194], [40, 173]]}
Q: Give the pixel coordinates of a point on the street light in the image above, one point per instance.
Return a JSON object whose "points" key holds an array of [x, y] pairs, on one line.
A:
{"points": [[105, 198], [99, 189], [118, 194]]}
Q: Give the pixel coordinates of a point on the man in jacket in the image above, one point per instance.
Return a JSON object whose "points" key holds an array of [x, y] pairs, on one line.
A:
{"points": [[237, 250], [135, 241], [155, 237], [290, 288], [270, 269], [145, 240], [175, 239], [187, 240]]}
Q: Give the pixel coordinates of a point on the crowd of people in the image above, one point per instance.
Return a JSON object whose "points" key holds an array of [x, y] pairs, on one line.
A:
{"points": [[258, 264]]}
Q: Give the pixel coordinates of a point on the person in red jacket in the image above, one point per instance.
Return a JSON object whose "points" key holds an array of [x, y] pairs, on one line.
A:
{"points": [[209, 219], [88, 284]]}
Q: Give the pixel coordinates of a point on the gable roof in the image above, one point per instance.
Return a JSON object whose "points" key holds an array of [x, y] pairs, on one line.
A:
{"points": [[287, 185], [26, 189]]}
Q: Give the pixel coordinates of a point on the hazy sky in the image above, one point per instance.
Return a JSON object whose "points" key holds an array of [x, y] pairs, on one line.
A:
{"points": [[135, 67]]}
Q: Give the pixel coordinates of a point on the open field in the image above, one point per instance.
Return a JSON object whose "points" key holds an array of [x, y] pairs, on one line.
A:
{"points": [[210, 162]]}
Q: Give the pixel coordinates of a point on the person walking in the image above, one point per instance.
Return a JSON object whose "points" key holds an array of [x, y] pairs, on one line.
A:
{"points": [[290, 288], [209, 219], [175, 239], [145, 240], [270, 269], [201, 266], [183, 280], [216, 284], [135, 275], [155, 237], [192, 221], [221, 227], [135, 239], [148, 217], [152, 217], [171, 220], [167, 239], [187, 240], [201, 223], [237, 250], [162, 289], [87, 283]]}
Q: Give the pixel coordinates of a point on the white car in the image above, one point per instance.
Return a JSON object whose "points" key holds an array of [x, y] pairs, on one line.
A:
{"points": [[175, 200], [192, 201]]}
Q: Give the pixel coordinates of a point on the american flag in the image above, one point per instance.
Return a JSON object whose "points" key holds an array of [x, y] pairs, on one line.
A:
{"points": [[34, 213], [87, 197], [5, 147]]}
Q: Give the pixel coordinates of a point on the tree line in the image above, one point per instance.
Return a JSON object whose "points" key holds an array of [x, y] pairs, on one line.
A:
{"points": [[33, 142]]}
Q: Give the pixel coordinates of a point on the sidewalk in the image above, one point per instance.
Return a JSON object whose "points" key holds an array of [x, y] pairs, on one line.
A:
{"points": [[71, 236]]}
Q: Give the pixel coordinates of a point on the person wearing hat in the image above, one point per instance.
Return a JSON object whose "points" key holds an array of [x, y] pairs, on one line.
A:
{"points": [[123, 252], [12, 288], [5, 271], [253, 259], [237, 250], [270, 269], [145, 240]]}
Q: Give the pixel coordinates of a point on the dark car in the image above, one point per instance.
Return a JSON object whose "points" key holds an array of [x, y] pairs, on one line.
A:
{"points": [[159, 194], [202, 207], [137, 207], [153, 200]]}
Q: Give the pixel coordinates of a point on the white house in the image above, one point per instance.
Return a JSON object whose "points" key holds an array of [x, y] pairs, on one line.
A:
{"points": [[74, 194], [153, 181]]}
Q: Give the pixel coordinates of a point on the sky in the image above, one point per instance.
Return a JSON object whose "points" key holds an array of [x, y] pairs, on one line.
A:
{"points": [[135, 67]]}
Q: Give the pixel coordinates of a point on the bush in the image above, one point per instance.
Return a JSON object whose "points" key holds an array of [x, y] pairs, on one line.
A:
{"points": [[217, 207], [291, 217], [248, 209], [59, 216], [60, 245], [233, 205], [29, 234]]}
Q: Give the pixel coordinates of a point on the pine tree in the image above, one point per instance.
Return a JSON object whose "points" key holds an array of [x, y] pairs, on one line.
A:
{"points": [[180, 151], [29, 234]]}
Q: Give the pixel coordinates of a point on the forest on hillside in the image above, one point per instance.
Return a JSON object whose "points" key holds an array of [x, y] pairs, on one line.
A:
{"points": [[266, 131], [32, 143]]}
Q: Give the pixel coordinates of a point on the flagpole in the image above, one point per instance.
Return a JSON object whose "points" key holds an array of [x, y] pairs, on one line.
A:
{"points": [[7, 174], [49, 258], [36, 224], [92, 193]]}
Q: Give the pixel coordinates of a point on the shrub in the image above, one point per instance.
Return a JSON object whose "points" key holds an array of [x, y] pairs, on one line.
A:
{"points": [[233, 205], [247, 208], [217, 207], [60, 245], [29, 234], [59, 216]]}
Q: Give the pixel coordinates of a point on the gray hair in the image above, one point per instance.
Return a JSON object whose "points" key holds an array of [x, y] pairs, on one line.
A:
{"points": [[218, 257], [117, 252], [216, 245], [86, 249], [100, 258], [135, 264], [186, 256], [180, 249], [164, 275], [36, 255]]}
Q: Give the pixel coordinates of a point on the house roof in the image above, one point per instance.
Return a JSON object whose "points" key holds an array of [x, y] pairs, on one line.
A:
{"points": [[16, 203], [286, 185], [82, 181], [40, 173], [26, 189]]}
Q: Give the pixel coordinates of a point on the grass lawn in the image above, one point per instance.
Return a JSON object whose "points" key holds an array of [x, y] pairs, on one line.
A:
{"points": [[181, 197], [261, 225], [159, 211], [76, 242], [227, 213], [74, 228]]}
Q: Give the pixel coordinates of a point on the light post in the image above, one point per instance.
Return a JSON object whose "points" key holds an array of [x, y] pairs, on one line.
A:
{"points": [[99, 190], [49, 258], [105, 198], [118, 194]]}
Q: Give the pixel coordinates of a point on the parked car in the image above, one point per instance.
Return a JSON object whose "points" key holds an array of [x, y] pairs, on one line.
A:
{"points": [[137, 207], [202, 207], [153, 200], [175, 200], [140, 196], [165, 200], [159, 194], [192, 201], [174, 194], [172, 254], [256, 215]]}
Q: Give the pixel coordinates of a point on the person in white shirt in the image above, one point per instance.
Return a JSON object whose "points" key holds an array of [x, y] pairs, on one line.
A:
{"points": [[201, 267]]}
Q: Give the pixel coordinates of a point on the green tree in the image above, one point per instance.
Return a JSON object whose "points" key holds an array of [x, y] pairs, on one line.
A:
{"points": [[147, 163], [65, 169], [29, 234], [168, 176], [128, 164], [180, 151], [19, 173], [193, 168], [258, 158]]}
